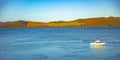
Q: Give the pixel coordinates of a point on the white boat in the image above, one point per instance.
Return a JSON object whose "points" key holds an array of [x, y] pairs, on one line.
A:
{"points": [[97, 43]]}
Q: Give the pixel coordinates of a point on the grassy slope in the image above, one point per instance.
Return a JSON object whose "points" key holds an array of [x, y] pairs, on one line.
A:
{"points": [[90, 22]]}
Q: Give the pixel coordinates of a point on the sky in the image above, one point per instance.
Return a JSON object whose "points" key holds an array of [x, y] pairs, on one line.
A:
{"points": [[56, 10]]}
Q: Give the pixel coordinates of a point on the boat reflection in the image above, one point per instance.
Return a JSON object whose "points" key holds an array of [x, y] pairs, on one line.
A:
{"points": [[97, 47]]}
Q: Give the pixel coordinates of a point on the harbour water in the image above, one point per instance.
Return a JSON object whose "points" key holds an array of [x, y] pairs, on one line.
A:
{"points": [[59, 43]]}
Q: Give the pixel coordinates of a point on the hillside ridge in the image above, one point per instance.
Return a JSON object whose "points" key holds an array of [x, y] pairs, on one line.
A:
{"points": [[89, 22]]}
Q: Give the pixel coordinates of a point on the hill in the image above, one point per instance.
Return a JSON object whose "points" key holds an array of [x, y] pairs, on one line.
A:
{"points": [[89, 22]]}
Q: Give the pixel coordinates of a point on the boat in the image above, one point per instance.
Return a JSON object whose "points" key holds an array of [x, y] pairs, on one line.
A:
{"points": [[97, 46], [98, 43]]}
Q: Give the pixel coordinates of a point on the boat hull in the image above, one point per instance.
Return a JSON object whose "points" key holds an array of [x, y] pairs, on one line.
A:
{"points": [[97, 43]]}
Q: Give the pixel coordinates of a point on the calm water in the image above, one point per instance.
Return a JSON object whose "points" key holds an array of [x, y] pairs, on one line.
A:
{"points": [[59, 44]]}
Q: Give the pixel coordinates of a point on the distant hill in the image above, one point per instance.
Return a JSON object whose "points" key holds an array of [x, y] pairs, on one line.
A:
{"points": [[89, 22], [100, 22], [15, 24]]}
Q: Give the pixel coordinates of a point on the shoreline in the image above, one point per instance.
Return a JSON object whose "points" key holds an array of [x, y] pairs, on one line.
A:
{"points": [[62, 27]]}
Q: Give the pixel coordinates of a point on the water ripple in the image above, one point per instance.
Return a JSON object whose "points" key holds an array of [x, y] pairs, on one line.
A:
{"points": [[49, 42]]}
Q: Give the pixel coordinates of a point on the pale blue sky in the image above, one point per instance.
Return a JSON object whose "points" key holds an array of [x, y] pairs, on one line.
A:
{"points": [[54, 10]]}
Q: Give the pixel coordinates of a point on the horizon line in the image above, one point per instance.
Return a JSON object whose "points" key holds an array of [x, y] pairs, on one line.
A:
{"points": [[61, 20]]}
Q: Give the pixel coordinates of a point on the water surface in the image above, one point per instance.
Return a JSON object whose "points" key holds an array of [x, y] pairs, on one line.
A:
{"points": [[59, 43]]}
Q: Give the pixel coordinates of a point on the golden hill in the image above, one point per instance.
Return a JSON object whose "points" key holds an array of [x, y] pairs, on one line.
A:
{"points": [[100, 22], [90, 22]]}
